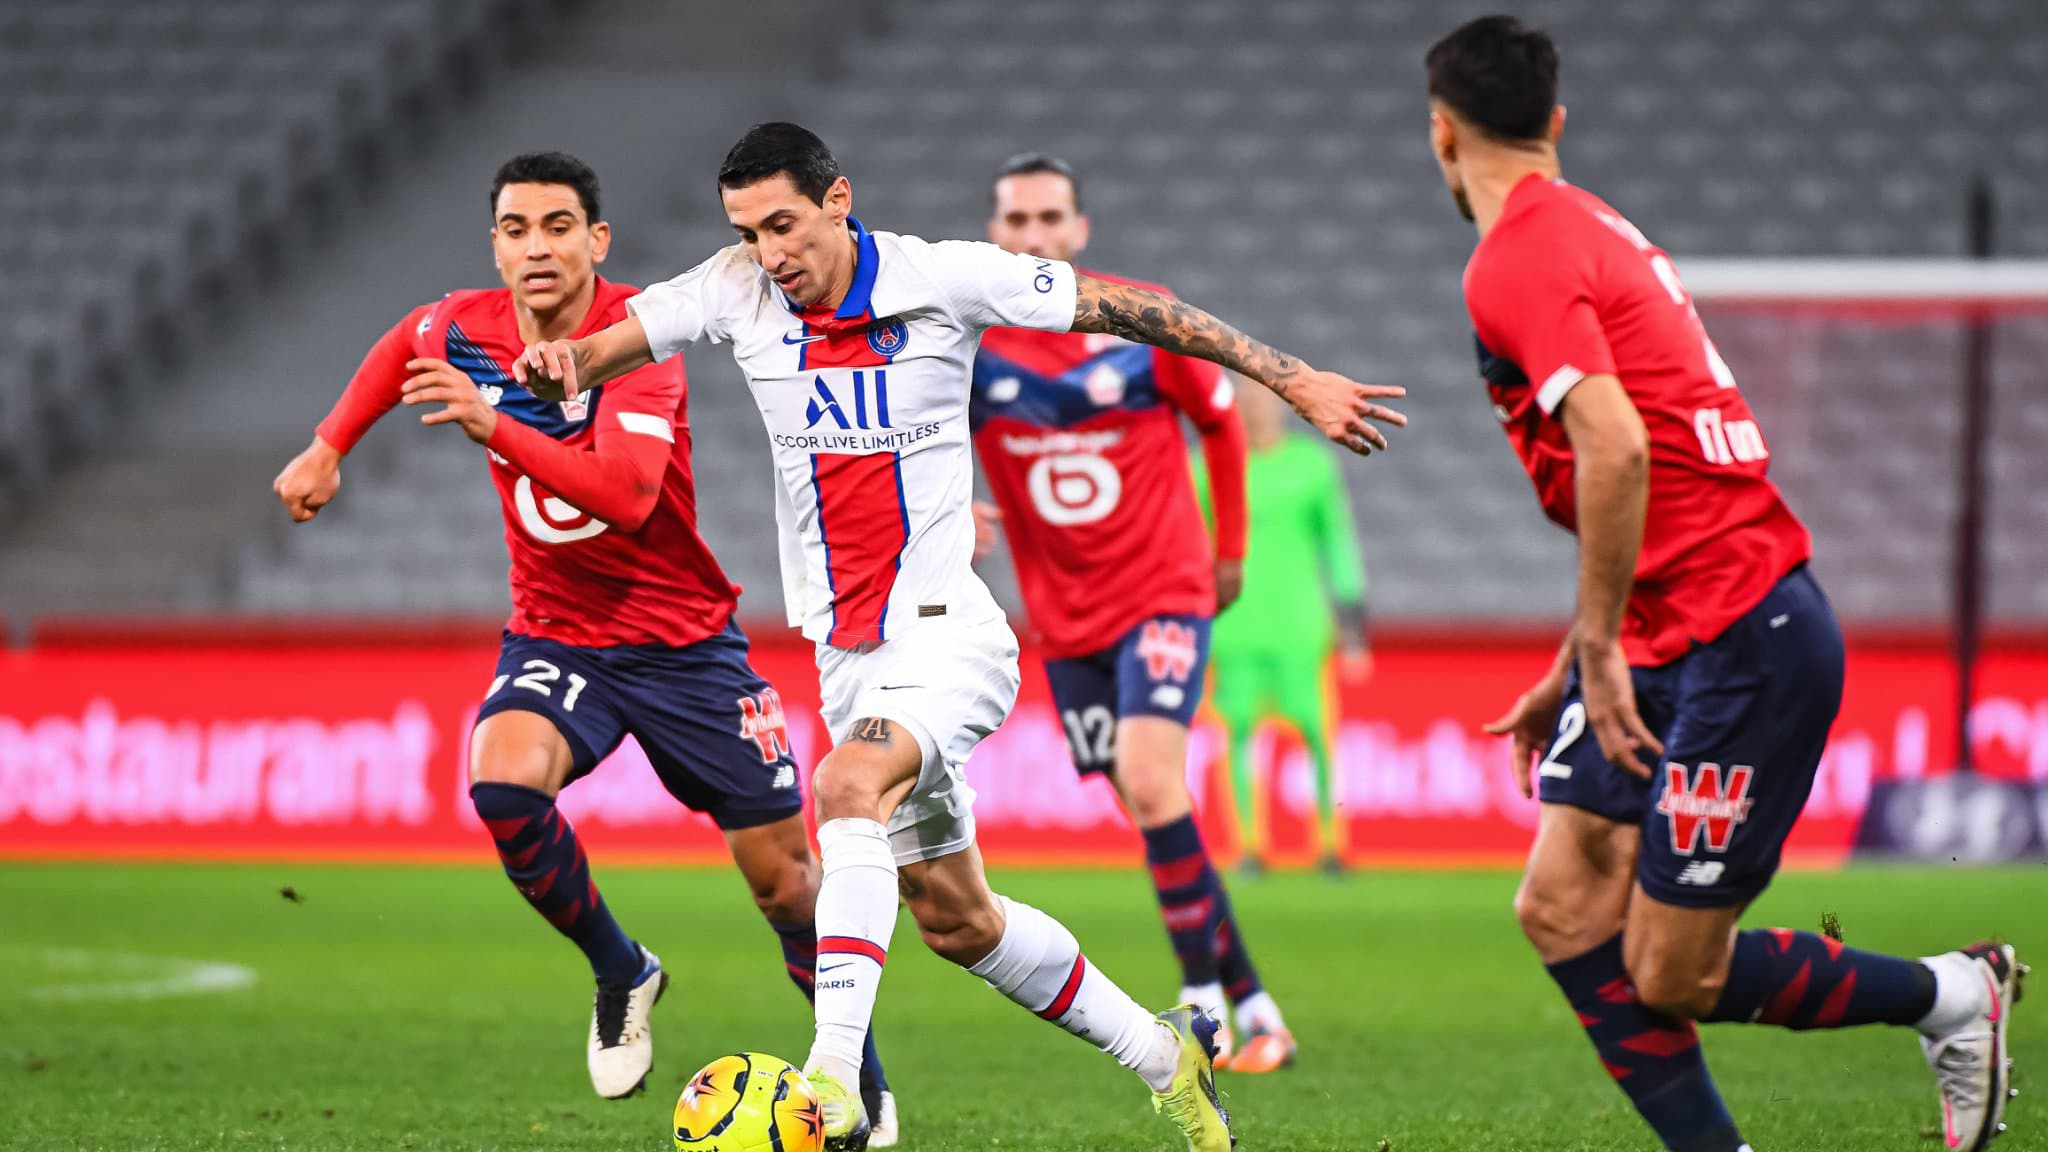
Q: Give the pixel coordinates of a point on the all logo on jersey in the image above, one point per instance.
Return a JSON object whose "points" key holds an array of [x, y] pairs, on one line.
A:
{"points": [[762, 721], [887, 337], [1703, 805], [1169, 649], [865, 406]]}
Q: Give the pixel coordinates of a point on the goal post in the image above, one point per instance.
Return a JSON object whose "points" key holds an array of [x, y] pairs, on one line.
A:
{"points": [[1906, 401]]}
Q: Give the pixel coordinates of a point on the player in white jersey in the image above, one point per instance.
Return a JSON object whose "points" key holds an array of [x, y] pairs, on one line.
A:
{"points": [[858, 347]]}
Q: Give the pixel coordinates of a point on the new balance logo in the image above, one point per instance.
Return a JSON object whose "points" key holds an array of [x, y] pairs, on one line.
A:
{"points": [[785, 778], [1702, 805], [762, 722], [1702, 873], [1168, 648]]}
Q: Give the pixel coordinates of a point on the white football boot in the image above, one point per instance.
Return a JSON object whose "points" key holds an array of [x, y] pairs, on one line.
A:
{"points": [[621, 1046], [1970, 1063]]}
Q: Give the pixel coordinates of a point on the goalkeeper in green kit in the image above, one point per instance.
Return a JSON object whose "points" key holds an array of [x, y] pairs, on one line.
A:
{"points": [[1304, 594]]}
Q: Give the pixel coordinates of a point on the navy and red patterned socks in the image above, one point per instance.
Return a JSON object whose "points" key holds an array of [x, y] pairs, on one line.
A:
{"points": [[1655, 1059], [545, 862], [1801, 980], [1191, 899]]}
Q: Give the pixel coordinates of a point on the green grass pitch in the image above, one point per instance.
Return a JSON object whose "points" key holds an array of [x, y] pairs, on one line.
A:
{"points": [[428, 1008]]}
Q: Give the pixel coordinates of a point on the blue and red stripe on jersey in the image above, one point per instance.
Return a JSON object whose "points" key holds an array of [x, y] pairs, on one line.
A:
{"points": [[1022, 382], [544, 416], [864, 525]]}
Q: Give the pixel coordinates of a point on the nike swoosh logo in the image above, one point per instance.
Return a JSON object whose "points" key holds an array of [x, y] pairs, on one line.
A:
{"points": [[896, 687], [835, 967], [792, 338]]}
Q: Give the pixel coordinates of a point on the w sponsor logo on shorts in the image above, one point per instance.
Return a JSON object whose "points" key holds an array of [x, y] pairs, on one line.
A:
{"points": [[1169, 649], [1700, 803], [761, 721]]}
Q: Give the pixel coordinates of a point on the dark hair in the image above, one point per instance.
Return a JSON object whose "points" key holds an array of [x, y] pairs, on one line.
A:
{"points": [[1032, 163], [549, 168], [1499, 74], [779, 148]]}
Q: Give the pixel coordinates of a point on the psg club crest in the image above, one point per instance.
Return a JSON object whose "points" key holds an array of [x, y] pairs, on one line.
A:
{"points": [[887, 337]]}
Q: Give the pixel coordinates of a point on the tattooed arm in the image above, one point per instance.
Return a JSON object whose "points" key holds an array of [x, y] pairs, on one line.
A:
{"points": [[1339, 408]]}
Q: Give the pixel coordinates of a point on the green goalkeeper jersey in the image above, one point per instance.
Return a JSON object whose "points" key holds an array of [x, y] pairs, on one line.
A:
{"points": [[1301, 554]]}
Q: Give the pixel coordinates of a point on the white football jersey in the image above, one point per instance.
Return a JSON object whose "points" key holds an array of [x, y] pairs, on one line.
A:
{"points": [[866, 407]]}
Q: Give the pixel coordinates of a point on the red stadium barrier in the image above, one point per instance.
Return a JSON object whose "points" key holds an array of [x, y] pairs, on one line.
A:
{"points": [[348, 745]]}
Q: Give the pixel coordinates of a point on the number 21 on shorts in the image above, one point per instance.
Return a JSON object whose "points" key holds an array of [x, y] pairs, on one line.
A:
{"points": [[541, 676]]}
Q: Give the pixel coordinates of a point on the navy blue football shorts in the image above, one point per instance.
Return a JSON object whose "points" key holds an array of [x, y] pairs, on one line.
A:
{"points": [[1743, 720], [1155, 669], [711, 727]]}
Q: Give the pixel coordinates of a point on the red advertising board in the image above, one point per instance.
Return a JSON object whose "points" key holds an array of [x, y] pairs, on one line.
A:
{"points": [[356, 750]]}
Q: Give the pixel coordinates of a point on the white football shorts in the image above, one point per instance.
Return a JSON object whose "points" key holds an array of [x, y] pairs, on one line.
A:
{"points": [[949, 686]]}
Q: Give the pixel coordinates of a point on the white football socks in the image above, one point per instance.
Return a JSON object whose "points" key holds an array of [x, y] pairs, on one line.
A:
{"points": [[1209, 998], [1038, 964], [1258, 1013], [1959, 993], [856, 916]]}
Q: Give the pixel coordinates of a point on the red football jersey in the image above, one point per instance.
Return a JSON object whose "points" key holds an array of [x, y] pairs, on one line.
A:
{"points": [[575, 579], [1563, 288], [1078, 436]]}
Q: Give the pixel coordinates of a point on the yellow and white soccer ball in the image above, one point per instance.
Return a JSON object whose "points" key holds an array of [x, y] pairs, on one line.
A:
{"points": [[749, 1102]]}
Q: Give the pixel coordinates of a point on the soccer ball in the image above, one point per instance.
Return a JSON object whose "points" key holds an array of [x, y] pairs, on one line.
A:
{"points": [[749, 1102]]}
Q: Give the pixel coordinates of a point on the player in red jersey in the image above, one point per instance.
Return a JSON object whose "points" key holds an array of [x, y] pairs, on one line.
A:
{"points": [[1686, 713], [1079, 436], [622, 619]]}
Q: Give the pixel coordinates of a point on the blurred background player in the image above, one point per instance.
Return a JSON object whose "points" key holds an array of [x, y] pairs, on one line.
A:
{"points": [[1079, 436], [1703, 661], [1304, 596], [622, 619], [858, 349]]}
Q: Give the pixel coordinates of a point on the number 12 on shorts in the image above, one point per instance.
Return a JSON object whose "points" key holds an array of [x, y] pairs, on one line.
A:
{"points": [[1571, 724], [540, 676]]}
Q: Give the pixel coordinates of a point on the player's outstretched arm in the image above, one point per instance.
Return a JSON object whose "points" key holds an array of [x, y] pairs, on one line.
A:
{"points": [[314, 475], [564, 369], [1340, 408]]}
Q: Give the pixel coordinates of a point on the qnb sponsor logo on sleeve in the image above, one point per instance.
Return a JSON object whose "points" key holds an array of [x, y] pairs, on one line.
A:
{"points": [[103, 767]]}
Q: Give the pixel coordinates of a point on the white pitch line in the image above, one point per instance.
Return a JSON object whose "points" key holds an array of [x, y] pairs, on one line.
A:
{"points": [[134, 977]]}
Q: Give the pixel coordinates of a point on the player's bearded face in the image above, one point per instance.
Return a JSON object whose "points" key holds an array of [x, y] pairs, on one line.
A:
{"points": [[1035, 214], [802, 245], [547, 251]]}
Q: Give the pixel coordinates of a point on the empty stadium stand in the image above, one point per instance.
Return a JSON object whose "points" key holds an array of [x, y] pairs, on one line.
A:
{"points": [[1267, 160]]}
